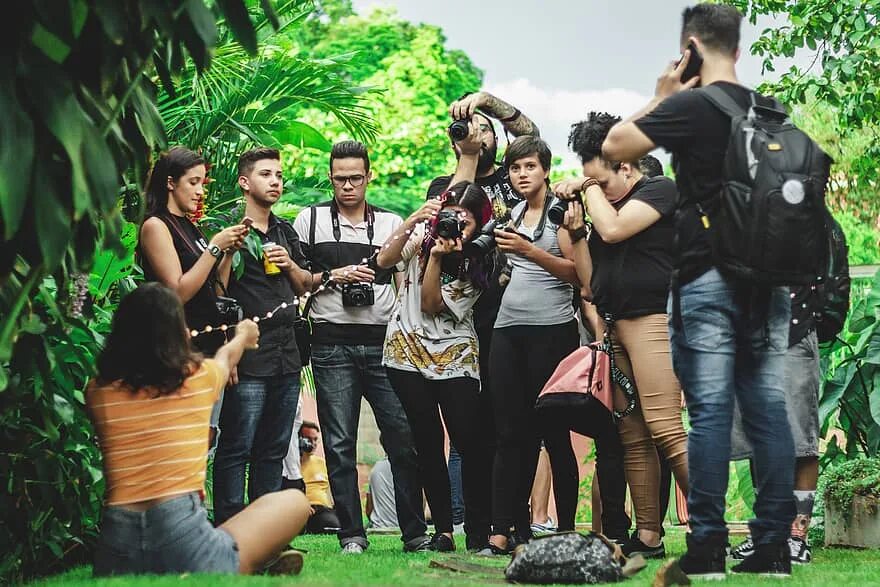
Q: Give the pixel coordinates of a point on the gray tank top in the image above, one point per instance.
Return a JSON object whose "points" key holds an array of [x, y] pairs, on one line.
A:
{"points": [[534, 297]]}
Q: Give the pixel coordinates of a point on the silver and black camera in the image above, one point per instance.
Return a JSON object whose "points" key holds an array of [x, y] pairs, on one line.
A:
{"points": [[358, 295]]}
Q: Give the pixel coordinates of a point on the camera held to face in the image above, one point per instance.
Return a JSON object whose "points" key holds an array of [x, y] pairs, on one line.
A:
{"points": [[448, 225], [358, 295], [306, 444], [459, 130]]}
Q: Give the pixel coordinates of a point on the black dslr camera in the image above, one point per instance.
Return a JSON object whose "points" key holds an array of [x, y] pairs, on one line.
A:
{"points": [[358, 295], [458, 130], [448, 225], [556, 212], [229, 310]]}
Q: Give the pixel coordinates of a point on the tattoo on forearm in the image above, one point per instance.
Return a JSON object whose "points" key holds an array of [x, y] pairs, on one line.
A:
{"points": [[522, 125]]}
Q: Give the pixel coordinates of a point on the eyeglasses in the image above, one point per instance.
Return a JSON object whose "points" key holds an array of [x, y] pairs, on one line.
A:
{"points": [[355, 180]]}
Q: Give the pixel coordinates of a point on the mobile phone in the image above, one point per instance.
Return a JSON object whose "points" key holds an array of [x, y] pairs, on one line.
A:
{"points": [[248, 221], [693, 67]]}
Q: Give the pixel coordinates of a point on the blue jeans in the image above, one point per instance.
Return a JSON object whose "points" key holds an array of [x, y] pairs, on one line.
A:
{"points": [[454, 467], [256, 420], [731, 338], [343, 375]]}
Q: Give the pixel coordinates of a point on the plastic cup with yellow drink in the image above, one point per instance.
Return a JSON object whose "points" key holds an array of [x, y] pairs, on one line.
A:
{"points": [[268, 266]]}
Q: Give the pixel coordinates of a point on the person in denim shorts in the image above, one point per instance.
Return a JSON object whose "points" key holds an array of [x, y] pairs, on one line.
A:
{"points": [[151, 404]]}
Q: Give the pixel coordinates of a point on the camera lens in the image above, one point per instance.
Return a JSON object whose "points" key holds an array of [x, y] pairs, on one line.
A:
{"points": [[448, 225], [458, 130], [556, 213]]}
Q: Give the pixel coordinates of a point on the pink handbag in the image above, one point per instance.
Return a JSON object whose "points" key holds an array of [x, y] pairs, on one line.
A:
{"points": [[580, 377]]}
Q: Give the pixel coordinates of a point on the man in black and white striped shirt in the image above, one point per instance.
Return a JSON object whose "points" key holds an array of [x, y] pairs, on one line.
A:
{"points": [[349, 320]]}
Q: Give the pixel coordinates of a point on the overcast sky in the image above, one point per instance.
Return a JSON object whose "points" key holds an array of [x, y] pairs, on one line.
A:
{"points": [[559, 59]]}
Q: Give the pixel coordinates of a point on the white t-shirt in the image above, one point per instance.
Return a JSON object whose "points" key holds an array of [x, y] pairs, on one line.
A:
{"points": [[439, 346]]}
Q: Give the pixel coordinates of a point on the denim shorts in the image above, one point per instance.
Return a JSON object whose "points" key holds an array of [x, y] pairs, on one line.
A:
{"points": [[802, 380], [170, 538]]}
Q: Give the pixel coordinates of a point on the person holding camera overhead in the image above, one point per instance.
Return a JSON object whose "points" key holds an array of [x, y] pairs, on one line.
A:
{"points": [[431, 350], [628, 266], [535, 330], [257, 413], [348, 322], [475, 144]]}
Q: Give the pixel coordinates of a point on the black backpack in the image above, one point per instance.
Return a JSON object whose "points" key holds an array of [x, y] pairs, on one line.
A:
{"points": [[768, 224], [834, 285]]}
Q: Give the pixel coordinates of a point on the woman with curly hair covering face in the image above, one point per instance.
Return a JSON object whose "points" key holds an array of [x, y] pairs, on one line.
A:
{"points": [[627, 263], [431, 349]]}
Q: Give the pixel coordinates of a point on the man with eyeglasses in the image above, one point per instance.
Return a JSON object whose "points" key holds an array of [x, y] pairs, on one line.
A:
{"points": [[349, 320], [476, 155]]}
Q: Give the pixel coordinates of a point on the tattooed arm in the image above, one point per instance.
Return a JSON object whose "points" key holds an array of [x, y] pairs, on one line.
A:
{"points": [[516, 122]]}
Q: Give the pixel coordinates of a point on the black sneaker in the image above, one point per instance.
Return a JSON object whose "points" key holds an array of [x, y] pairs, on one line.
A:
{"points": [[744, 549], [701, 561], [418, 544], [442, 543], [634, 546], [800, 551], [768, 560]]}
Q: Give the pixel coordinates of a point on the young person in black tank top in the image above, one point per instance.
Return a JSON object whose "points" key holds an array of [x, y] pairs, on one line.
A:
{"points": [[174, 252]]}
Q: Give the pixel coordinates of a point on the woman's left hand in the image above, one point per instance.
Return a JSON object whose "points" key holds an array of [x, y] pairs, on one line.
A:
{"points": [[444, 246]]}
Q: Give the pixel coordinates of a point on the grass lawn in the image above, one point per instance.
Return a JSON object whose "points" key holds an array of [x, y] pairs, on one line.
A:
{"points": [[385, 564]]}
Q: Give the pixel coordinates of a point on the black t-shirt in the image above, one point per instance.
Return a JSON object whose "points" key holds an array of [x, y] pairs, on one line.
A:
{"points": [[631, 278], [500, 192], [502, 198], [696, 133], [258, 294]]}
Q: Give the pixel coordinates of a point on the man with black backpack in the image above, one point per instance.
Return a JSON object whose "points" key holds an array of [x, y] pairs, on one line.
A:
{"points": [[818, 312], [749, 222]]}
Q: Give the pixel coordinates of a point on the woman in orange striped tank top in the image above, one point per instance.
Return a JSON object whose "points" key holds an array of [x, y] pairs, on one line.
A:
{"points": [[150, 405]]}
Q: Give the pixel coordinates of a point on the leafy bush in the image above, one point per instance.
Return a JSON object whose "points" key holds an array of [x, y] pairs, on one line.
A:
{"points": [[849, 400], [858, 477]]}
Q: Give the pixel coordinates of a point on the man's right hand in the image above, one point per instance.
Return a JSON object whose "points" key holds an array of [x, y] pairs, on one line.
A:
{"points": [[464, 109], [669, 82], [473, 142], [352, 274]]}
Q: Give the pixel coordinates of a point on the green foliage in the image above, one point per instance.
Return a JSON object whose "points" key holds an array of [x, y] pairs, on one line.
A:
{"points": [[416, 78], [841, 483], [77, 89], [850, 394], [845, 42]]}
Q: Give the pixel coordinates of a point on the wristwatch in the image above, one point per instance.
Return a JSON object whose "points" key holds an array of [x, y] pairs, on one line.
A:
{"points": [[325, 277], [578, 234], [214, 251]]}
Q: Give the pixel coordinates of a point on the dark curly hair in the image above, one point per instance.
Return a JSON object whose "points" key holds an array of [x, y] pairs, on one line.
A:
{"points": [[586, 137], [148, 346]]}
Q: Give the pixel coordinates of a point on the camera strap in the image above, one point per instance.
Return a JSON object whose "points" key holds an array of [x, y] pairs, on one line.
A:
{"points": [[172, 222], [369, 218], [539, 229]]}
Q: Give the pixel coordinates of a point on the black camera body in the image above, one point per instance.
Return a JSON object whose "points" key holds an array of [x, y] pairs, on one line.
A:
{"points": [[230, 310], [458, 130], [358, 295], [484, 242], [448, 225], [306, 444], [556, 212]]}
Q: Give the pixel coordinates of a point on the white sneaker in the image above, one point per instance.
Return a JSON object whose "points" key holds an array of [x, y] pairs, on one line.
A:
{"points": [[800, 551], [745, 549], [548, 526], [352, 548]]}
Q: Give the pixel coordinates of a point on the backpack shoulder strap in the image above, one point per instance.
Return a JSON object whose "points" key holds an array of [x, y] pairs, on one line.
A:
{"points": [[721, 100], [314, 218]]}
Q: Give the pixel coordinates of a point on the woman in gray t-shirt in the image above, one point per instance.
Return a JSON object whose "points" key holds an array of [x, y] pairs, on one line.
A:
{"points": [[535, 330]]}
